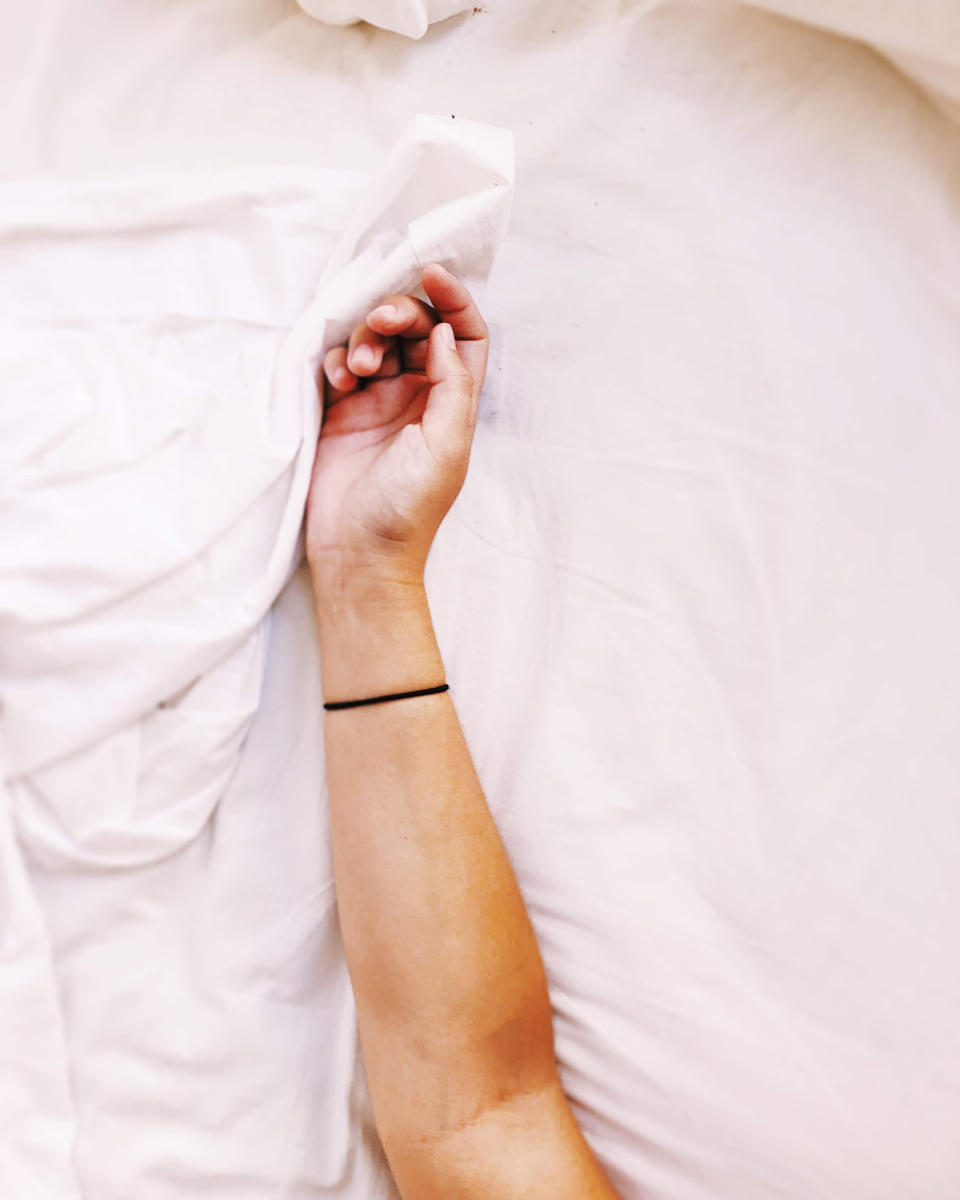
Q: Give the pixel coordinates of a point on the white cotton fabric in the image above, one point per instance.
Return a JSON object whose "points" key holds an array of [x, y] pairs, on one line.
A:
{"points": [[922, 39], [160, 345], [133, 409], [698, 602], [412, 18]]}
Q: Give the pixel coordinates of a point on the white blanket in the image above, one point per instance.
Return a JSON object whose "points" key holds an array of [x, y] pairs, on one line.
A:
{"points": [[161, 340], [698, 600]]}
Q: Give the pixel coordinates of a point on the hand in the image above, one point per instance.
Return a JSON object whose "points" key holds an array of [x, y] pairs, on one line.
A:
{"points": [[400, 404]]}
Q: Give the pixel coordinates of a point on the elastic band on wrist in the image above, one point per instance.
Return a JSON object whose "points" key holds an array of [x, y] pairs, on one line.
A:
{"points": [[332, 705]]}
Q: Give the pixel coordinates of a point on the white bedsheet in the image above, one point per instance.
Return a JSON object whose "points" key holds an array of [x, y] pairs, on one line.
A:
{"points": [[699, 604]]}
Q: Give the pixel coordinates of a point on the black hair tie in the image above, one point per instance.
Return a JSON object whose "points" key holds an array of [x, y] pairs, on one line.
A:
{"points": [[430, 691]]}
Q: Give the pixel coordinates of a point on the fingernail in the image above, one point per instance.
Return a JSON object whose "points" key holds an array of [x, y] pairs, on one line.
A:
{"points": [[385, 312], [445, 334], [363, 356]]}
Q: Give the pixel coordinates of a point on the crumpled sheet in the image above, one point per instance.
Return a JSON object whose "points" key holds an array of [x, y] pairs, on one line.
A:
{"points": [[409, 17], [159, 344]]}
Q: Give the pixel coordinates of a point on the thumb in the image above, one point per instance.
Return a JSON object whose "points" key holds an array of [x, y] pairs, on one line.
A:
{"points": [[450, 414]]}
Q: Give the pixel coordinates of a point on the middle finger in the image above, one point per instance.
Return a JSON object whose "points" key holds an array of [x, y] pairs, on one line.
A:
{"points": [[365, 351], [403, 316]]}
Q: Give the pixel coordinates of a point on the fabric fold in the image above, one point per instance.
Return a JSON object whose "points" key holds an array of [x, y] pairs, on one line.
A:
{"points": [[412, 18], [160, 340]]}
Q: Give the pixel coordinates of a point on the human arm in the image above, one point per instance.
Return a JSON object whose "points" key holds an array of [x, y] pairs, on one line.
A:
{"points": [[451, 994]]}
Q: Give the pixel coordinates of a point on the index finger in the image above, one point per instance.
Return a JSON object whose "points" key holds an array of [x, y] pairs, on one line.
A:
{"points": [[454, 304], [456, 307]]}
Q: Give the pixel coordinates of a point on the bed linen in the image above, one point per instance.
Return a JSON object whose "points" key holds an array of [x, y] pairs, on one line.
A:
{"points": [[698, 603], [412, 18], [159, 428], [922, 40]]}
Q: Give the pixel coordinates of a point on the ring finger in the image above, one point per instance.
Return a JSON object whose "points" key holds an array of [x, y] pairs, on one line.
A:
{"points": [[340, 380]]}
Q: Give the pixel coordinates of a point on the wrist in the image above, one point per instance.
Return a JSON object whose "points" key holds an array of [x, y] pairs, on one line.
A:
{"points": [[375, 589], [376, 634]]}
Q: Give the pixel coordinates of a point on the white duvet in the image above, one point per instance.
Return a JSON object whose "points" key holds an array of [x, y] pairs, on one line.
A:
{"points": [[698, 600]]}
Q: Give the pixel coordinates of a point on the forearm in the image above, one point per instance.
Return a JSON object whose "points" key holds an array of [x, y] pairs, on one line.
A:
{"points": [[451, 994], [450, 989]]}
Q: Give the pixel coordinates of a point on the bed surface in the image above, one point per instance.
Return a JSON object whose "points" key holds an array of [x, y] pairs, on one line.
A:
{"points": [[698, 603]]}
